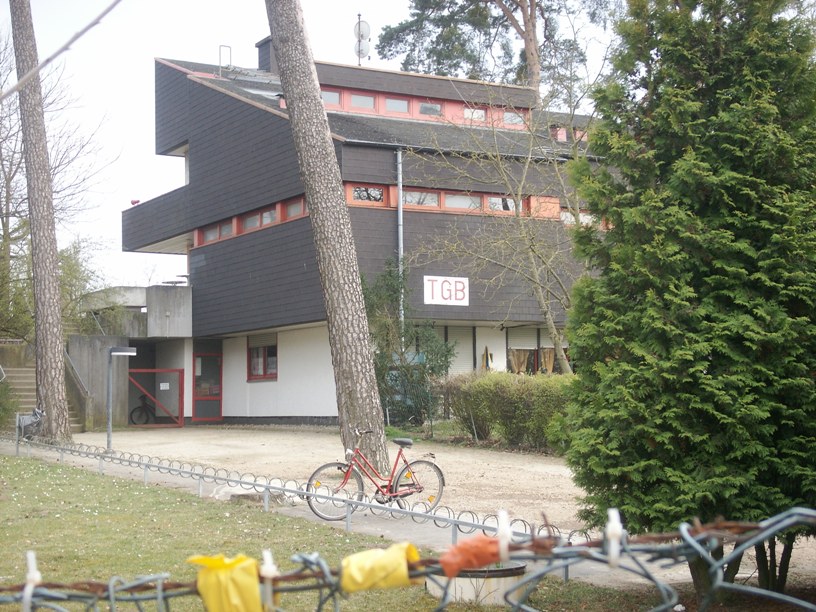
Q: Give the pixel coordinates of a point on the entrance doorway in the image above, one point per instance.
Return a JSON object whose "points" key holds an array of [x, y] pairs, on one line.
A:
{"points": [[156, 397], [207, 387]]}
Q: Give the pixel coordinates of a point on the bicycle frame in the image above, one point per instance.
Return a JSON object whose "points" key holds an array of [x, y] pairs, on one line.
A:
{"points": [[364, 466]]}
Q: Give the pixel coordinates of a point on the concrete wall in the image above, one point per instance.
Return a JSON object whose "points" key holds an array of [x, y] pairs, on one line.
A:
{"points": [[169, 312], [90, 357], [16, 355]]}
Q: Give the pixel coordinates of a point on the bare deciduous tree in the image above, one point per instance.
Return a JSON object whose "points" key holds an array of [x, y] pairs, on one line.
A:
{"points": [[74, 164], [519, 244]]}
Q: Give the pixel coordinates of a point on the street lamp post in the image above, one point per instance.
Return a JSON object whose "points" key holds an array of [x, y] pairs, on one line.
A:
{"points": [[128, 351]]}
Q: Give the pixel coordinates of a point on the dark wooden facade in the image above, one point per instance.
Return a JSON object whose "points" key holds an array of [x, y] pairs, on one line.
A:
{"points": [[241, 157]]}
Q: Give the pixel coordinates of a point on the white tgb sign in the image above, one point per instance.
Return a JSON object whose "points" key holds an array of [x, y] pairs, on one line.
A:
{"points": [[446, 290]]}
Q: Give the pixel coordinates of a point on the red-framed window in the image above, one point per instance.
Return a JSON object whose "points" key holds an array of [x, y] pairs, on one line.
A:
{"points": [[475, 114], [514, 118], [262, 357], [428, 109], [558, 133], [367, 194], [361, 101], [396, 105], [497, 204], [470, 202], [216, 231], [292, 209], [332, 98], [462, 201], [252, 221], [424, 198]]}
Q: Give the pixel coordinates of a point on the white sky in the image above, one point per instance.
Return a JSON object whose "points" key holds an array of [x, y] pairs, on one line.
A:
{"points": [[110, 72]]}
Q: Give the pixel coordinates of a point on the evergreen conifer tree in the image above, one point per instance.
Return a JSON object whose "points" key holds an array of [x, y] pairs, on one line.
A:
{"points": [[696, 340]]}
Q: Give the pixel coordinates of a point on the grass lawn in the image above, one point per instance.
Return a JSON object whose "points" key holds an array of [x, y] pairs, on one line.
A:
{"points": [[85, 526]]}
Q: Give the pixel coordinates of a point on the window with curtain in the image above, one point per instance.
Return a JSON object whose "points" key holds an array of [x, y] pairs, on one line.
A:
{"points": [[262, 357]]}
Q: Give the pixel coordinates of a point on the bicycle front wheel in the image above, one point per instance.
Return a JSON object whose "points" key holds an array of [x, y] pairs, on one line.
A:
{"points": [[139, 416], [423, 481], [334, 485]]}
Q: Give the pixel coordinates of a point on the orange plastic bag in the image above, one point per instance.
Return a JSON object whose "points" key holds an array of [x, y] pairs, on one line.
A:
{"points": [[474, 552]]}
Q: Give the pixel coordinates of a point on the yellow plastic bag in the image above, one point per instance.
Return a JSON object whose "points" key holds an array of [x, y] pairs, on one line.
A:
{"points": [[227, 585], [378, 568]]}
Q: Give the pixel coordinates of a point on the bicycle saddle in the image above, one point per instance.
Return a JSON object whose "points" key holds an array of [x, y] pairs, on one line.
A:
{"points": [[403, 442]]}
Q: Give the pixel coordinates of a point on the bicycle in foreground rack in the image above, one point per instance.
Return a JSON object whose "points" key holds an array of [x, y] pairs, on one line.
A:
{"points": [[336, 484]]}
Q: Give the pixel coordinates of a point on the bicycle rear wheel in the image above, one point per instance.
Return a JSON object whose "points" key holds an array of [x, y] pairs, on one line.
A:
{"points": [[332, 491], [139, 415], [423, 481]]}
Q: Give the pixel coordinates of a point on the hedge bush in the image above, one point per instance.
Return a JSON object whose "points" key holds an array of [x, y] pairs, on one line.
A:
{"points": [[467, 408], [524, 410]]}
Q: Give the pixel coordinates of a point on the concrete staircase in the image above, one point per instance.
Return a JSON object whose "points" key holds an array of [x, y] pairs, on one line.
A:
{"points": [[23, 382]]}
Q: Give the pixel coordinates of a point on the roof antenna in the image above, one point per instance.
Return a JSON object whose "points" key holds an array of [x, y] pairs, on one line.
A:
{"points": [[362, 32]]}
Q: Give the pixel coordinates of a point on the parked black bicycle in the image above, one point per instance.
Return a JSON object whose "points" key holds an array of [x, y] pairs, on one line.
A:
{"points": [[144, 412]]}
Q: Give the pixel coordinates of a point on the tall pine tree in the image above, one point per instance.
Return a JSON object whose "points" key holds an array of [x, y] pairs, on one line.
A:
{"points": [[696, 341]]}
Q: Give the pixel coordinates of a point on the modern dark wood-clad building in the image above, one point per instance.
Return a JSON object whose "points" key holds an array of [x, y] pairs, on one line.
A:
{"points": [[407, 146]]}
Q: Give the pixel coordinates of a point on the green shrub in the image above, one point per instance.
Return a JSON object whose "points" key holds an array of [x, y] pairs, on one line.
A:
{"points": [[558, 434], [546, 425], [469, 409], [508, 398], [525, 410]]}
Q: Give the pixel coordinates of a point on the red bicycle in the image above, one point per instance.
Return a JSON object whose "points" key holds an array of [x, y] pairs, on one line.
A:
{"points": [[335, 485]]}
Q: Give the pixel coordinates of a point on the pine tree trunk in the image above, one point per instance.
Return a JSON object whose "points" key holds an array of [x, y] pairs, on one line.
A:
{"points": [[358, 402], [50, 362]]}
